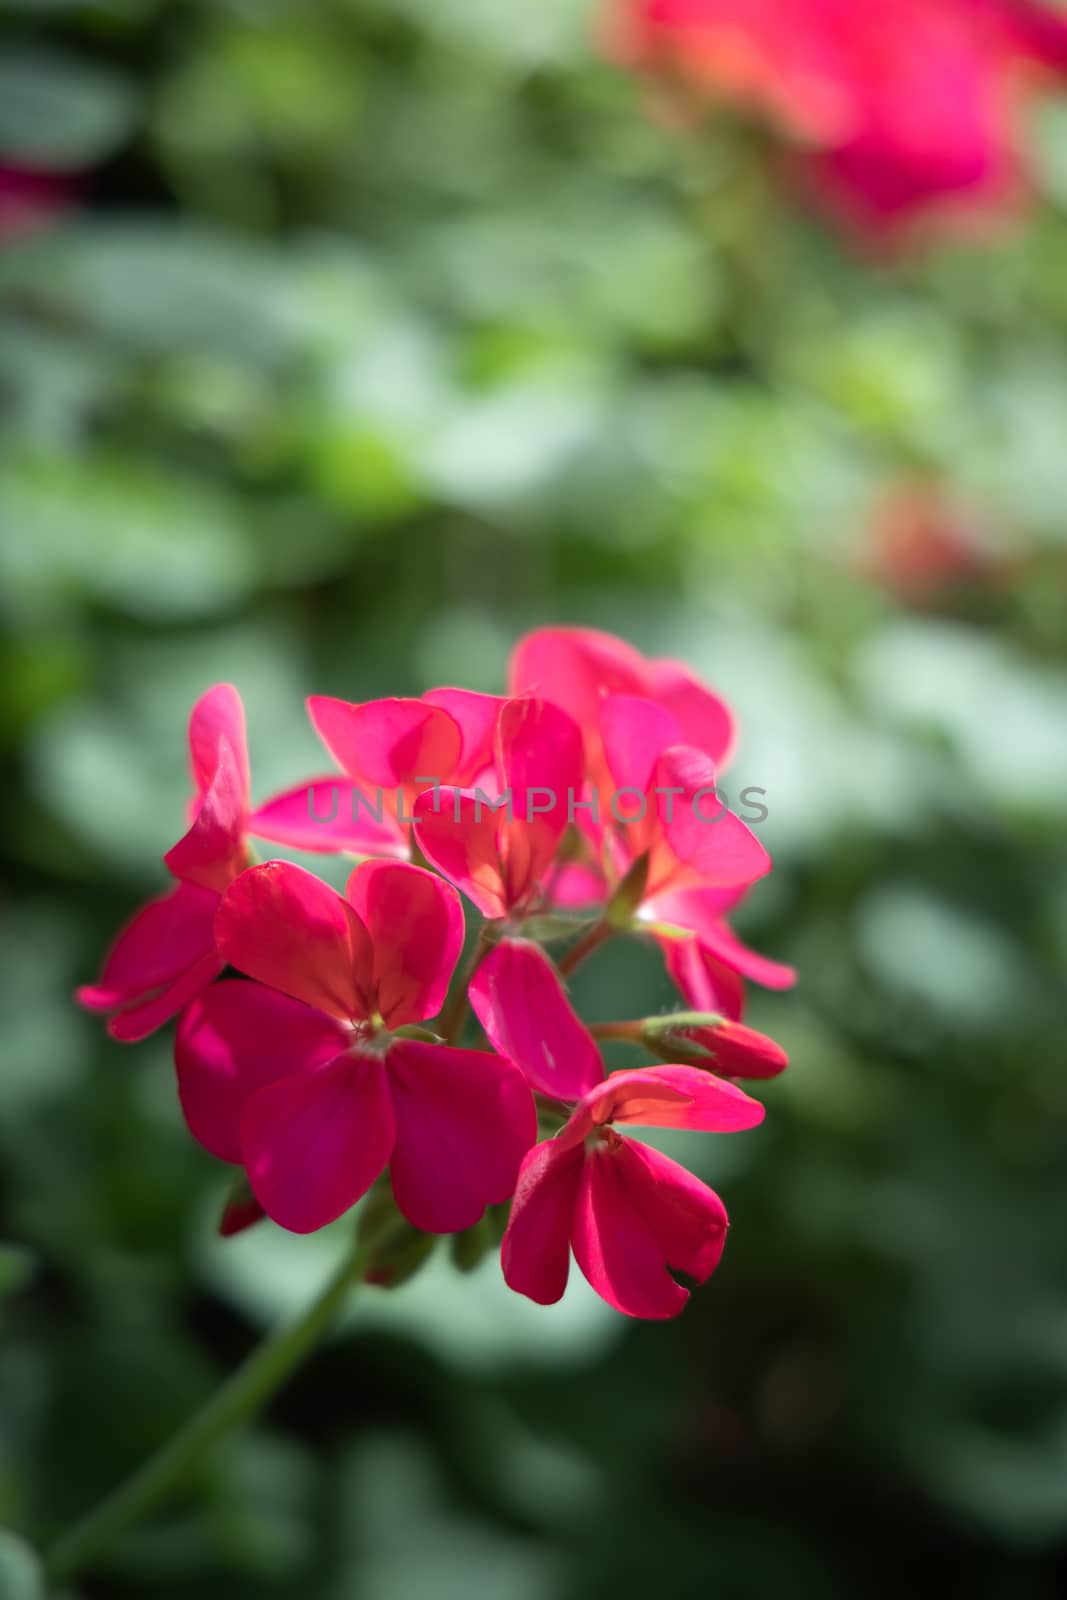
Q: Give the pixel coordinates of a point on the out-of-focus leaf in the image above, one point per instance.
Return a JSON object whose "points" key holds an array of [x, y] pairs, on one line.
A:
{"points": [[152, 544], [61, 113], [21, 1575]]}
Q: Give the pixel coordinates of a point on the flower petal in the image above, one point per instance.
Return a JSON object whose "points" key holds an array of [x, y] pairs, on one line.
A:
{"points": [[700, 830], [415, 923], [315, 1141], [576, 886], [392, 744], [218, 715], [703, 911], [704, 719], [574, 667], [536, 1249], [703, 982], [476, 717], [665, 1097], [542, 766], [331, 814], [162, 957], [138, 1021], [213, 850], [519, 999], [722, 944], [459, 833], [284, 926], [234, 1039], [637, 1214], [464, 1121], [636, 732]]}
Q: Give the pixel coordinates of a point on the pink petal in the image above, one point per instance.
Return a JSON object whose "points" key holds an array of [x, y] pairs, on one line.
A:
{"points": [[138, 1021], [575, 886], [704, 983], [1036, 30], [722, 944], [284, 926], [476, 717], [536, 1249], [635, 732], [314, 1142], [518, 998], [391, 744], [415, 923], [162, 957], [700, 831], [233, 1040], [213, 850], [665, 1097], [541, 763], [637, 1214], [703, 910], [329, 815], [459, 834], [540, 747], [696, 908], [464, 1121], [218, 715], [574, 667], [704, 719]]}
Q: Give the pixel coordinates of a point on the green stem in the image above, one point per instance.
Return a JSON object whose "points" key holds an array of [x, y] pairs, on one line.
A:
{"points": [[237, 1399], [633, 1031], [597, 935], [454, 1016]]}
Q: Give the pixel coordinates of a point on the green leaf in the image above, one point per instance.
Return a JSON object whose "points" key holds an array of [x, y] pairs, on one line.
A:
{"points": [[21, 1574], [57, 112], [156, 545]]}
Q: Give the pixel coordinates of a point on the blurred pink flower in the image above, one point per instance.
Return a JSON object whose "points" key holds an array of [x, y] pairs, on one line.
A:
{"points": [[31, 198], [905, 106]]}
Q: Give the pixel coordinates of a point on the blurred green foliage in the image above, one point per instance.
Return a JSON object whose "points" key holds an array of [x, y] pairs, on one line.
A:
{"points": [[379, 331]]}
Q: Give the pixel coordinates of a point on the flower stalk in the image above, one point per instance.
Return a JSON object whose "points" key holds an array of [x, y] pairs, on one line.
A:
{"points": [[243, 1394]]}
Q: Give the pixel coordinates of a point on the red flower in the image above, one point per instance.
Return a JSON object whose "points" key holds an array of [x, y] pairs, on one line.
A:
{"points": [[905, 105], [166, 954], [629, 1214], [301, 1076]]}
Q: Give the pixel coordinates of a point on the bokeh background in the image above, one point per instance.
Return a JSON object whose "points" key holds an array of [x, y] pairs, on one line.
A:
{"points": [[339, 343]]}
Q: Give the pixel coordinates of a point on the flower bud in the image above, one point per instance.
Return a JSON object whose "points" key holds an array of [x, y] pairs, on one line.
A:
{"points": [[395, 1250], [702, 1038]]}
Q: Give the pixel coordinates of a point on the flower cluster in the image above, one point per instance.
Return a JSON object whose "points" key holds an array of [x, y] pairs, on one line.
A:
{"points": [[579, 806], [900, 107]]}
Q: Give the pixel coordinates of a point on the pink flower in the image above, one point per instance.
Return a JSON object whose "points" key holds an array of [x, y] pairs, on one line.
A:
{"points": [[658, 799], [388, 752], [301, 1076], [166, 954], [31, 199], [498, 840], [905, 105], [577, 668], [630, 1215]]}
